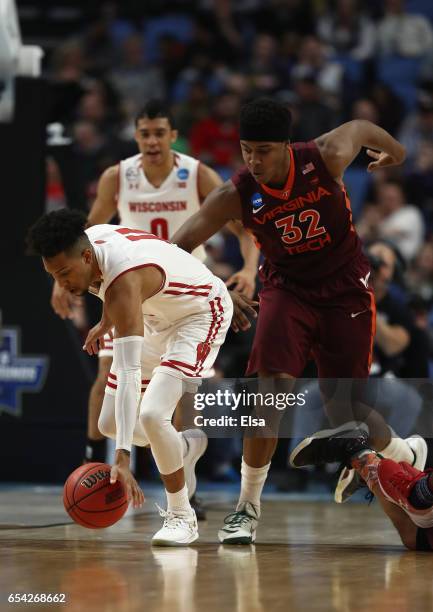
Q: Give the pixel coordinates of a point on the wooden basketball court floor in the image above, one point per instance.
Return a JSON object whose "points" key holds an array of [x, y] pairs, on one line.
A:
{"points": [[309, 555]]}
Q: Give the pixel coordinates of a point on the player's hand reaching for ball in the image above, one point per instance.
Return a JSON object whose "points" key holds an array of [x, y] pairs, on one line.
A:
{"points": [[120, 471], [244, 282], [243, 309], [63, 301]]}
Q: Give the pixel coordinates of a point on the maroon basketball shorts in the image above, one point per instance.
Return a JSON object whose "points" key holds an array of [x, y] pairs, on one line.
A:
{"points": [[333, 324]]}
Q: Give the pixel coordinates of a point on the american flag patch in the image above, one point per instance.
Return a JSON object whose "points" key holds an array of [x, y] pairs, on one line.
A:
{"points": [[308, 168]]}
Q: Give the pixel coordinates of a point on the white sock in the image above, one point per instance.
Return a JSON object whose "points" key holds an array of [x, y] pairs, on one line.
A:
{"points": [[178, 500], [398, 449], [252, 483]]}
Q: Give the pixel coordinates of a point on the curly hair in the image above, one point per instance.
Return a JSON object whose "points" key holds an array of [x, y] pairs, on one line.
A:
{"points": [[56, 232], [264, 119]]}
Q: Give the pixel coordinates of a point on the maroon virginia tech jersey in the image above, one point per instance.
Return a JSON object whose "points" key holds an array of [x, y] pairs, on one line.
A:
{"points": [[305, 230]]}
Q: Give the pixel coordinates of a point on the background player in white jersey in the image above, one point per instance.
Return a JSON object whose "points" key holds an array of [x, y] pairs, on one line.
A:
{"points": [[170, 316], [156, 191]]}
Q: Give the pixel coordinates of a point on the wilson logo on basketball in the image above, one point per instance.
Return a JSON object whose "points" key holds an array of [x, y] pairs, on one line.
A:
{"points": [[91, 480]]}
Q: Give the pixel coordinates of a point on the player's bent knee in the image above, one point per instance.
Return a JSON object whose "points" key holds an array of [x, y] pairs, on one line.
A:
{"points": [[150, 420]]}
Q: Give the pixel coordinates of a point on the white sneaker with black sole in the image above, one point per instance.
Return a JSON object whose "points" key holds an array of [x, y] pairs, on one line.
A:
{"points": [[179, 528], [240, 526], [350, 481]]}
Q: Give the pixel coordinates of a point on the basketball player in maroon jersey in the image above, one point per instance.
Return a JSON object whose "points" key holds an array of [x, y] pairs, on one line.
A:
{"points": [[315, 298]]}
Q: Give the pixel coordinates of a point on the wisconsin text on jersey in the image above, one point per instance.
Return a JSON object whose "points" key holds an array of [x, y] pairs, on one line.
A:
{"points": [[157, 206]]}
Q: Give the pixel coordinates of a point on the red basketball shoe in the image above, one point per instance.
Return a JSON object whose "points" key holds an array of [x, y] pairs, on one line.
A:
{"points": [[396, 481]]}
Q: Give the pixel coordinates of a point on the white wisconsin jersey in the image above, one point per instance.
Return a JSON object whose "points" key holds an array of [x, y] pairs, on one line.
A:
{"points": [[159, 210], [188, 288]]}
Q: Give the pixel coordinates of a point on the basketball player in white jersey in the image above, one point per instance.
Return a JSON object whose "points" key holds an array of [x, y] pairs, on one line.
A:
{"points": [[170, 316], [156, 191]]}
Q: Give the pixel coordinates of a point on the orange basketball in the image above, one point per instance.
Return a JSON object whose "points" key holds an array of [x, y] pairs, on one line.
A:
{"points": [[90, 499]]}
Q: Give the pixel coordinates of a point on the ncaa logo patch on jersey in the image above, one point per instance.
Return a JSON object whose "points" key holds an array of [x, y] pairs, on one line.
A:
{"points": [[257, 202], [183, 174], [132, 176]]}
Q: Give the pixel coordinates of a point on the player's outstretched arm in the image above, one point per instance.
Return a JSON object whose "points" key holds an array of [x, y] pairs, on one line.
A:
{"points": [[123, 305], [123, 308], [244, 280], [339, 147], [221, 205]]}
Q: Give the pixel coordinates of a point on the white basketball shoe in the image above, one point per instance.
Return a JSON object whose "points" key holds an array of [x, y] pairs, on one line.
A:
{"points": [[179, 528], [240, 526]]}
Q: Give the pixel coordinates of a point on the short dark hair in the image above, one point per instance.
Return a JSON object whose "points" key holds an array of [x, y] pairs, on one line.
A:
{"points": [[56, 232], [154, 109], [264, 119]]}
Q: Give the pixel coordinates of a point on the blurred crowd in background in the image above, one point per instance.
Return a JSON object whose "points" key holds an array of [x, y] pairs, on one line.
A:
{"points": [[329, 60]]}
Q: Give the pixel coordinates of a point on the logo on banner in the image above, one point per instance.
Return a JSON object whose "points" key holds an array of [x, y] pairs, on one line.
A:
{"points": [[18, 373]]}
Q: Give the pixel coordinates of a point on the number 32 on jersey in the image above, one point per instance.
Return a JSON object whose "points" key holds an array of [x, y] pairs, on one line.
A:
{"points": [[310, 230]]}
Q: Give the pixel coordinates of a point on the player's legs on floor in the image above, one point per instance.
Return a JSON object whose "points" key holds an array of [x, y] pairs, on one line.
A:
{"points": [[258, 449], [409, 488], [339, 359], [381, 477], [107, 422], [96, 441], [194, 442], [183, 420], [351, 447], [367, 465], [284, 335], [189, 354], [156, 413], [413, 450]]}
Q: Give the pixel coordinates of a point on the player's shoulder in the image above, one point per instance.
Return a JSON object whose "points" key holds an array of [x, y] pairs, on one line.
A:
{"points": [[133, 159], [307, 155], [110, 173], [309, 146], [242, 177], [183, 160], [96, 232], [130, 166]]}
